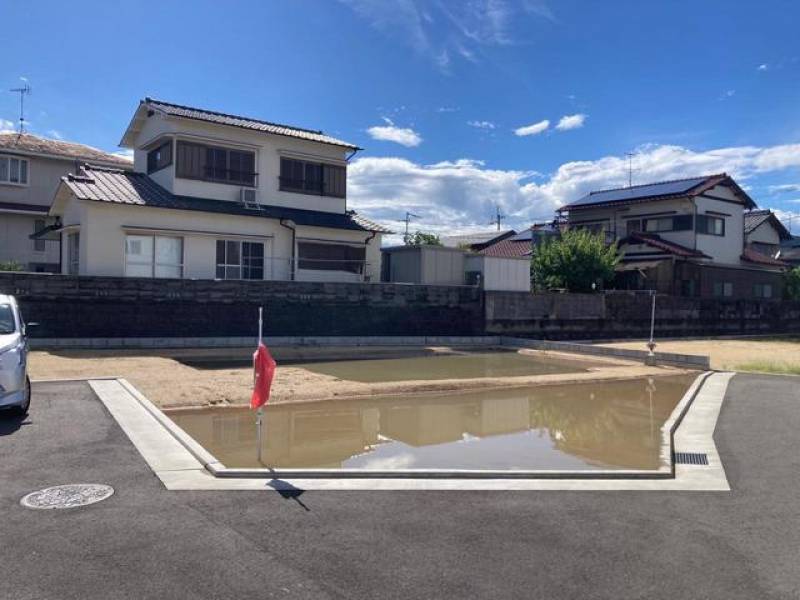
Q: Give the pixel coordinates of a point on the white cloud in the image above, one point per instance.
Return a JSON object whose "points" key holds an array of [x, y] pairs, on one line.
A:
{"points": [[568, 122], [125, 153], [6, 126], [534, 129], [786, 187], [442, 31], [763, 67], [55, 134], [446, 109], [481, 124], [399, 135], [459, 196]]}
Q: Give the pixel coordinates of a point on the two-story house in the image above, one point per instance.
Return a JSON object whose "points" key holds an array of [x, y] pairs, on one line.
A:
{"points": [[217, 196], [31, 168], [764, 232], [683, 237]]}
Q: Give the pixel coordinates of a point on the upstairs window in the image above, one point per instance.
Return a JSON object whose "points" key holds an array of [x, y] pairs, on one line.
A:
{"points": [[660, 224], [313, 178], [710, 225], [159, 158], [13, 170], [213, 163]]}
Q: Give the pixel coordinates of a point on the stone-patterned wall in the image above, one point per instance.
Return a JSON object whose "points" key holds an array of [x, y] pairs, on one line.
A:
{"points": [[111, 307]]}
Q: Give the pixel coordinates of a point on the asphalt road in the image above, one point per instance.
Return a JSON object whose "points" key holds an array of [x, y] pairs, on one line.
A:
{"points": [[146, 542]]}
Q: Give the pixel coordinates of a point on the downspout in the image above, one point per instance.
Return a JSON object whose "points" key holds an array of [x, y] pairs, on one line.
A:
{"points": [[347, 160], [294, 236], [371, 237]]}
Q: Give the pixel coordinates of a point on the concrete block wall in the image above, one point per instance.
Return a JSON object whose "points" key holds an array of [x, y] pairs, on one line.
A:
{"points": [[116, 307]]}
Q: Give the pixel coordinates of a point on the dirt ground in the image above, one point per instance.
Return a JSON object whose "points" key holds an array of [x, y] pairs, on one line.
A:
{"points": [[735, 355], [169, 383]]}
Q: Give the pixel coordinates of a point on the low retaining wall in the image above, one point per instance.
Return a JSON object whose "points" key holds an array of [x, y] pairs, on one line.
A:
{"points": [[627, 315], [122, 307], [687, 361]]}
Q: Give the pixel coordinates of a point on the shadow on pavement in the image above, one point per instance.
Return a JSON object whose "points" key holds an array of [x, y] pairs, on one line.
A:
{"points": [[288, 491], [10, 423]]}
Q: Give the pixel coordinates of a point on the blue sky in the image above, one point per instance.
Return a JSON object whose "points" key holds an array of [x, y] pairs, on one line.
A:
{"points": [[459, 105]]}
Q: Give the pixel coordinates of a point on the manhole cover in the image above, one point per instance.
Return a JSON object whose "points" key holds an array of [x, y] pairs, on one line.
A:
{"points": [[67, 496]]}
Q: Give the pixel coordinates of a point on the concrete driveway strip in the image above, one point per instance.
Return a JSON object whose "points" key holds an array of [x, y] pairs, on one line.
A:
{"points": [[148, 542]]}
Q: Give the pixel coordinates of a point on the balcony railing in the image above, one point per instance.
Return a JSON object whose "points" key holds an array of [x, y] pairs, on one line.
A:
{"points": [[306, 186]]}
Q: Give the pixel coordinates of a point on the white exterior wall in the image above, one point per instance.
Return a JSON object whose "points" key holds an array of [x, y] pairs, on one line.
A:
{"points": [[501, 274], [764, 234], [268, 148], [44, 175], [725, 249], [103, 228]]}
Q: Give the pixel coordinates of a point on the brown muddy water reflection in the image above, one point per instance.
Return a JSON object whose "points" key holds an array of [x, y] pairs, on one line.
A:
{"points": [[599, 425]]}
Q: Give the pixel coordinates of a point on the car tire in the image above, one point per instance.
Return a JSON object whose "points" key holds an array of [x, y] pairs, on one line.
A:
{"points": [[22, 410]]}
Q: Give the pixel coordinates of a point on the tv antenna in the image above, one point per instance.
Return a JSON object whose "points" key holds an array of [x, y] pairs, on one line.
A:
{"points": [[498, 218], [22, 91], [630, 156], [407, 220]]}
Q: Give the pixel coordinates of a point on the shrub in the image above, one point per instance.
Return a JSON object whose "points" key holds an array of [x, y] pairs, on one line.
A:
{"points": [[575, 261], [793, 284], [421, 238], [10, 266]]}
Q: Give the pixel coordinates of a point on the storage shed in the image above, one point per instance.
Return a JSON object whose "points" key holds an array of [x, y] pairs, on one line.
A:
{"points": [[508, 274], [431, 265]]}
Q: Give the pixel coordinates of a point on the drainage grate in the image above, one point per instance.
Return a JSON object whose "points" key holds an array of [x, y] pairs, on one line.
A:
{"points": [[67, 496], [691, 458]]}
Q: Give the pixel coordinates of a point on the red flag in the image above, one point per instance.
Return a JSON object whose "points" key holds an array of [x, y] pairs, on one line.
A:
{"points": [[264, 366]]}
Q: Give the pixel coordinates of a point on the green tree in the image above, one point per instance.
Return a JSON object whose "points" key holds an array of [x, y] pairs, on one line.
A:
{"points": [[793, 284], [574, 261], [10, 266], [421, 238]]}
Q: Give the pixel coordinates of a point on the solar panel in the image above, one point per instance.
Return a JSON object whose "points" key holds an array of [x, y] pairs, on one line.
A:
{"points": [[667, 188]]}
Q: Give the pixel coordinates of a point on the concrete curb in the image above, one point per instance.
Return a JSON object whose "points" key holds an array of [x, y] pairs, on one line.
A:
{"points": [[665, 471]]}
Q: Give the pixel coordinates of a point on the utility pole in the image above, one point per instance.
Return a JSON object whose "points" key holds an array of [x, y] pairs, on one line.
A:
{"points": [[498, 218], [407, 220], [22, 91]]}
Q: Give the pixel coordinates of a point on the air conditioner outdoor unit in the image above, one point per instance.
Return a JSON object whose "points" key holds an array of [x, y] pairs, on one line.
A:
{"points": [[249, 198]]}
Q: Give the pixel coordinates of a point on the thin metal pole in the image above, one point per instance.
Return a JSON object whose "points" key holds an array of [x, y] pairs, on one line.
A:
{"points": [[260, 411], [653, 318]]}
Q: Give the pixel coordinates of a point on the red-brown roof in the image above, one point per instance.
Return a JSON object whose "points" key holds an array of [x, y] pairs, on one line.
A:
{"points": [[754, 256], [656, 241], [34, 145], [508, 249]]}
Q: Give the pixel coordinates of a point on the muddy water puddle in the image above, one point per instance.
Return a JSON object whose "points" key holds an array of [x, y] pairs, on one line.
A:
{"points": [[598, 425]]}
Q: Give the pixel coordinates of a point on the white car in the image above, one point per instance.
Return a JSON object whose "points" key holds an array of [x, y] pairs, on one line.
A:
{"points": [[15, 387]]}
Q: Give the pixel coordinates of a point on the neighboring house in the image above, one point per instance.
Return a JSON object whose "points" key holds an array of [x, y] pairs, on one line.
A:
{"points": [[475, 241], [31, 168], [764, 232], [218, 196], [683, 237], [790, 251]]}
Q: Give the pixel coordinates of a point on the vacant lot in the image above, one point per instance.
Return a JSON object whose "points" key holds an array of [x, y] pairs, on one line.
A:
{"points": [[182, 378], [768, 355]]}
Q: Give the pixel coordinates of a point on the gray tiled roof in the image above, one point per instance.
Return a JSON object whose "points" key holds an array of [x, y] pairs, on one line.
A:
{"points": [[137, 189], [200, 114], [36, 145]]}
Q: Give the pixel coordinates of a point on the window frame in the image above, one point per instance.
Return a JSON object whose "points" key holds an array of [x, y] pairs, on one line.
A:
{"points": [[242, 265], [154, 168], [324, 186], [313, 264], [246, 178], [152, 263], [705, 220], [725, 289], [39, 245], [20, 161], [73, 253], [760, 289]]}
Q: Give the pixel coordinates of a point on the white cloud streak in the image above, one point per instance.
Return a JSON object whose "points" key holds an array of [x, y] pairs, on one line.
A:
{"points": [[399, 135], [534, 129], [6, 126], [568, 122], [481, 124], [459, 196]]}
